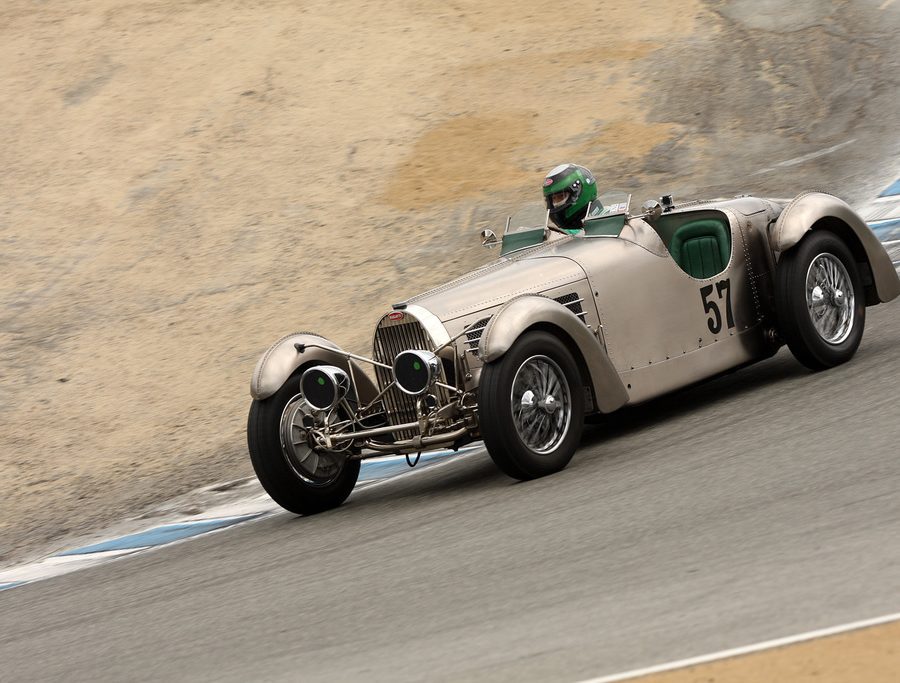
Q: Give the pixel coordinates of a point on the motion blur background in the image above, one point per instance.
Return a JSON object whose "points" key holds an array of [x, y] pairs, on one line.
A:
{"points": [[183, 182]]}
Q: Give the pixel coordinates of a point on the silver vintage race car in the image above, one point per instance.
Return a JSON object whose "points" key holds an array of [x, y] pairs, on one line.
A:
{"points": [[562, 326]]}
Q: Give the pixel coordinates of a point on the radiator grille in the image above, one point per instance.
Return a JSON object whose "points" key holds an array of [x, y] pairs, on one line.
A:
{"points": [[390, 339]]}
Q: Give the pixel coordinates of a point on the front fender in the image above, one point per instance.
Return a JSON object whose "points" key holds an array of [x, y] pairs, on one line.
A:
{"points": [[809, 208], [282, 358], [530, 310]]}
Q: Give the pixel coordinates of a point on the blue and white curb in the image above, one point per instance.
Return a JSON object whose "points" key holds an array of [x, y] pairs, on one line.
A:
{"points": [[892, 190], [393, 465], [160, 535], [257, 506], [883, 216]]}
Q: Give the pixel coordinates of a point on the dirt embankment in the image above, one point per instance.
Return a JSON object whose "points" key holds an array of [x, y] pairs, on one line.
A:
{"points": [[183, 182]]}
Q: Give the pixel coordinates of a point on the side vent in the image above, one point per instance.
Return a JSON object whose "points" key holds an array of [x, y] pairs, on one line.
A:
{"points": [[473, 336], [573, 303]]}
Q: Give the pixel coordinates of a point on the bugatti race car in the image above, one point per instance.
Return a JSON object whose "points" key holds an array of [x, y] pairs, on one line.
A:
{"points": [[561, 326]]}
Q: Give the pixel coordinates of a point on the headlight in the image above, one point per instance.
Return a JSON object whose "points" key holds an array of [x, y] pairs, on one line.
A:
{"points": [[323, 386], [416, 371]]}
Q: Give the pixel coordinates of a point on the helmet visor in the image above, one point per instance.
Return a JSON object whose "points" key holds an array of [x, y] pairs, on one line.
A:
{"points": [[558, 199]]}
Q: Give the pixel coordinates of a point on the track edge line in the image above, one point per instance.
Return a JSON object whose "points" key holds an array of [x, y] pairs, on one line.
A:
{"points": [[746, 649]]}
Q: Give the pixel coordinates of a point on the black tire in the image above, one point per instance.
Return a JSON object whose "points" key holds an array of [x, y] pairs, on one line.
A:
{"points": [[273, 468], [507, 447], [795, 319]]}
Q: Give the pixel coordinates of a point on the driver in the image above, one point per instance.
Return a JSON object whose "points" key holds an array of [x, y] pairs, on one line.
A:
{"points": [[568, 190]]}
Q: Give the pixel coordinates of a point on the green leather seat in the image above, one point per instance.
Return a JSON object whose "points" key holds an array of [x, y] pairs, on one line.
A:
{"points": [[701, 248]]}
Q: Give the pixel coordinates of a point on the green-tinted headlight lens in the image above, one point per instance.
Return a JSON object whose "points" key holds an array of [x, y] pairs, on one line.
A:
{"points": [[415, 371]]}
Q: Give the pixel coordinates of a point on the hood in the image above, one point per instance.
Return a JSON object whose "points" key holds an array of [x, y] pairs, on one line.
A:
{"points": [[498, 282]]}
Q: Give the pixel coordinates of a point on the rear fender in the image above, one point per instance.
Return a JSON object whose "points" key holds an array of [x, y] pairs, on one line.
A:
{"points": [[282, 358], [820, 211], [532, 311]]}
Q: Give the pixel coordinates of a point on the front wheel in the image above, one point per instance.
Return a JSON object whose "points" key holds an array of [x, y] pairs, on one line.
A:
{"points": [[820, 301], [531, 407], [298, 477]]}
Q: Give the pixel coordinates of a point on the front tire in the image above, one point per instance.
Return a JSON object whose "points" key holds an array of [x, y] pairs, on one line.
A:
{"points": [[531, 406], [298, 478], [820, 301]]}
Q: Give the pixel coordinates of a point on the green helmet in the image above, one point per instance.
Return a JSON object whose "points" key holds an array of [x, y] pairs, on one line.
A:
{"points": [[568, 189]]}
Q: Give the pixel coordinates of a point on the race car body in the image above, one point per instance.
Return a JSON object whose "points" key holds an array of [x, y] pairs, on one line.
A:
{"points": [[561, 326]]}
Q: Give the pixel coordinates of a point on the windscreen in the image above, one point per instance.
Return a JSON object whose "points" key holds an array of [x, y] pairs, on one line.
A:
{"points": [[526, 227], [610, 203], [528, 217]]}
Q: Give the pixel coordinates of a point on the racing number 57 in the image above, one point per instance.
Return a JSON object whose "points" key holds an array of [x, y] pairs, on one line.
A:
{"points": [[722, 287]]}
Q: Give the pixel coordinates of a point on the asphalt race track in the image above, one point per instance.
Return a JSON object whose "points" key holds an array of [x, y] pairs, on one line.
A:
{"points": [[760, 504]]}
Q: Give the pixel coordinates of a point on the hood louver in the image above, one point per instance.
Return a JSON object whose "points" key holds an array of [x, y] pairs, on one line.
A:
{"points": [[573, 302]]}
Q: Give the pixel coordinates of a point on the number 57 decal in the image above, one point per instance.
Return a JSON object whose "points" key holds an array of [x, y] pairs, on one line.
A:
{"points": [[710, 306]]}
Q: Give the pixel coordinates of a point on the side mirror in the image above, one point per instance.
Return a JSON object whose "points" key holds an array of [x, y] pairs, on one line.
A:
{"points": [[652, 210], [489, 239]]}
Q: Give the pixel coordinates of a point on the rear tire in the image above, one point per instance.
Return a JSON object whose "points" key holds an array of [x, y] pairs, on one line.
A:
{"points": [[531, 405], [277, 465], [820, 301]]}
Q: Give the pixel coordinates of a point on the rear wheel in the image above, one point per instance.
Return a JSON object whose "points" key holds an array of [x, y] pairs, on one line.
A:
{"points": [[820, 301], [531, 406], [298, 477]]}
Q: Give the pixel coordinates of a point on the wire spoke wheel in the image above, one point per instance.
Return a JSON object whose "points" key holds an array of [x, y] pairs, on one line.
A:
{"points": [[541, 404], [531, 406], [830, 298], [820, 300], [293, 465]]}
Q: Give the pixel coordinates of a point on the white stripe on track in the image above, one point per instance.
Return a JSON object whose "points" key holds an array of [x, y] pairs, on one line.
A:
{"points": [[746, 649]]}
